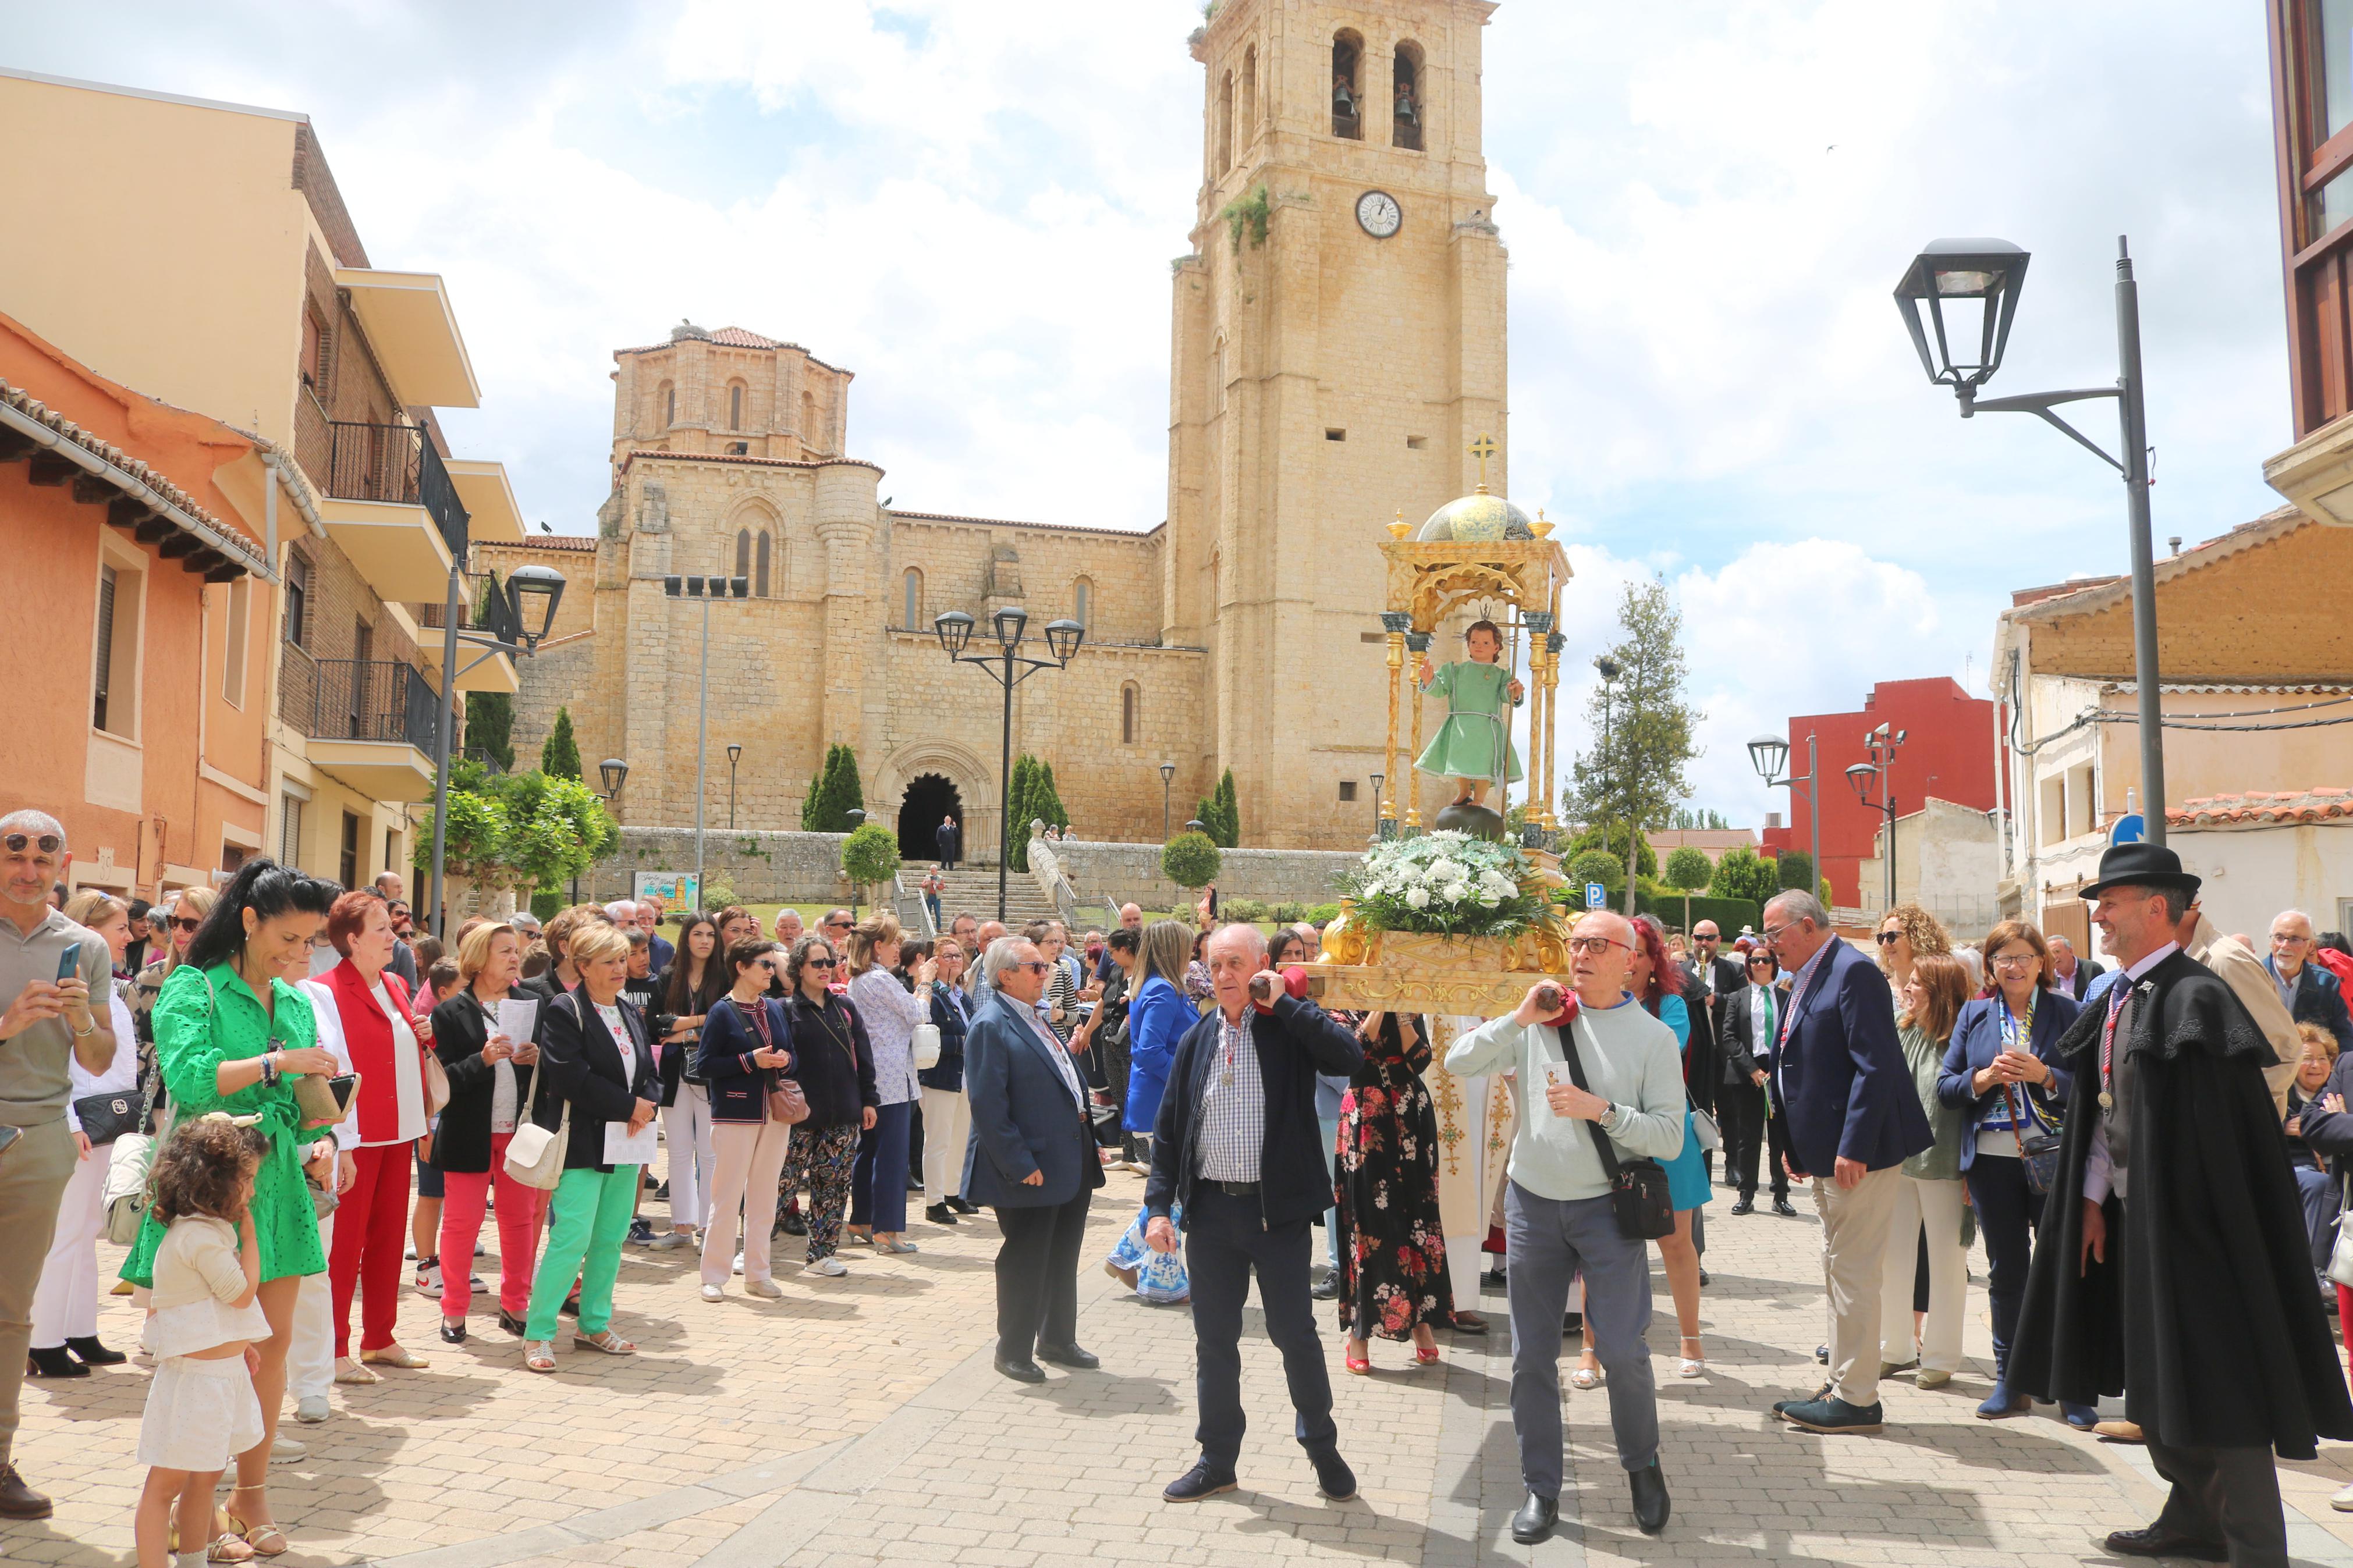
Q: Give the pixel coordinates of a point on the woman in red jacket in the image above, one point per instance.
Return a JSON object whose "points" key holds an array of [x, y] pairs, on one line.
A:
{"points": [[360, 1001]]}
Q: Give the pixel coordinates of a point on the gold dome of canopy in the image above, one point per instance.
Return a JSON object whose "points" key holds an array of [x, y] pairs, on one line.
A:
{"points": [[1475, 517]]}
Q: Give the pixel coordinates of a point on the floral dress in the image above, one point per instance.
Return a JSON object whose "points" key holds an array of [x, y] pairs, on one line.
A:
{"points": [[1392, 1248], [204, 1017]]}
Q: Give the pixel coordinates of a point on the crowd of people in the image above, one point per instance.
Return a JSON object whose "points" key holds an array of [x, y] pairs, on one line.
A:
{"points": [[314, 1092]]}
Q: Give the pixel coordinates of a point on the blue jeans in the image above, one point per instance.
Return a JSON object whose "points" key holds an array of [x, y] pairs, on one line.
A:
{"points": [[2318, 1190], [877, 1187]]}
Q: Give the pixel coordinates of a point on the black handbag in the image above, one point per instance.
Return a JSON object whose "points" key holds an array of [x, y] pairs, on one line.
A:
{"points": [[106, 1116], [2038, 1144], [1638, 1188]]}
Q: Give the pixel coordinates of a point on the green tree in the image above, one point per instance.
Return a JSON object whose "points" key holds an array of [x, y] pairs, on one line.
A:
{"points": [[1190, 860], [1742, 873], [490, 727], [1021, 792], [1594, 866], [1687, 870], [1220, 814], [870, 856], [1701, 820], [1636, 772], [557, 828], [1794, 869], [835, 793], [1611, 839], [560, 757]]}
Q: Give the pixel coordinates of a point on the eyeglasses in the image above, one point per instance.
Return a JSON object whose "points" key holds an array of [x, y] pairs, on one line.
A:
{"points": [[2288, 938], [1595, 945], [1886, 938], [1773, 934], [46, 843], [186, 922], [816, 964], [2015, 961], [1034, 965]]}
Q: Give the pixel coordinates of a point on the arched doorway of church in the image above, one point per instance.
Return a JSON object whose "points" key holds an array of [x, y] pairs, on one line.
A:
{"points": [[929, 797]]}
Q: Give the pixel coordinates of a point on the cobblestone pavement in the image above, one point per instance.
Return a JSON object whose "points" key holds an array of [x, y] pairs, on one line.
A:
{"points": [[859, 1421]]}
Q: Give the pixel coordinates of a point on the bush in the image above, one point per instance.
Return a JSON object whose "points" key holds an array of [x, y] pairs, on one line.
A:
{"points": [[717, 897], [1729, 915], [1742, 873], [1795, 868], [546, 904], [1687, 868], [1594, 866], [1321, 914], [870, 854], [1190, 860], [1613, 842], [1289, 911], [1246, 909]]}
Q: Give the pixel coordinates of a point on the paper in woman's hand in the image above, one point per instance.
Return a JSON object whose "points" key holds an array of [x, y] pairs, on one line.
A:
{"points": [[517, 1017], [623, 1147]]}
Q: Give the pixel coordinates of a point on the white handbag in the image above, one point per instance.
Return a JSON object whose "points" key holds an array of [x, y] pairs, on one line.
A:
{"points": [[535, 1155], [2341, 1256], [925, 1045]]}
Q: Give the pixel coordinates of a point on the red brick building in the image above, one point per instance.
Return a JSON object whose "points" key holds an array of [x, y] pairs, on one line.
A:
{"points": [[1948, 752]]}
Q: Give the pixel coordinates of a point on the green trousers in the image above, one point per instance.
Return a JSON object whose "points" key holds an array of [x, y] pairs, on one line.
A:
{"points": [[588, 1219]]}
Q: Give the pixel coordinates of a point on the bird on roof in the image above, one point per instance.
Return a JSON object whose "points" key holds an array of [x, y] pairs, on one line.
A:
{"points": [[544, 526]]}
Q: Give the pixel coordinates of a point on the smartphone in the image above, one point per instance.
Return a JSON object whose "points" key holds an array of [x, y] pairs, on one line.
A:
{"points": [[69, 963], [344, 1085], [9, 1135]]}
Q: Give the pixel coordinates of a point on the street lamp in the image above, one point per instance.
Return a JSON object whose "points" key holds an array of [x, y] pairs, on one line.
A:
{"points": [[1609, 670], [1378, 781], [1193, 824], [515, 620], [1063, 638], [705, 589], [1991, 273], [1881, 770], [1769, 755], [1167, 775], [612, 773], [735, 755]]}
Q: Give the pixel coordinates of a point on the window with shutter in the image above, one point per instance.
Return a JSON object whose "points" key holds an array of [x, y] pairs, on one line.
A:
{"points": [[105, 676]]}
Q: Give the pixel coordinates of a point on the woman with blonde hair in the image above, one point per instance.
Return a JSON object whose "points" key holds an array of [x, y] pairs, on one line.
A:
{"points": [[1931, 1192], [878, 1191], [189, 912], [490, 1084], [1907, 933]]}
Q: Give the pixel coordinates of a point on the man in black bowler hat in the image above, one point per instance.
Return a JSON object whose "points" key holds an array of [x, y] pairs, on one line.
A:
{"points": [[2173, 1265]]}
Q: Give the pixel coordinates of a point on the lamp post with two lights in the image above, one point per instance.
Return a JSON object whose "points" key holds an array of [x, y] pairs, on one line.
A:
{"points": [[1881, 770], [1012, 623]]}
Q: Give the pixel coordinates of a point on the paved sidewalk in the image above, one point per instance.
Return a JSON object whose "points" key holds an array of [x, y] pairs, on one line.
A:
{"points": [[859, 1421]]}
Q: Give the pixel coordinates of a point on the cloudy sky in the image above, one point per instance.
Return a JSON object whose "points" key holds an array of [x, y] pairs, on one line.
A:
{"points": [[973, 205]]}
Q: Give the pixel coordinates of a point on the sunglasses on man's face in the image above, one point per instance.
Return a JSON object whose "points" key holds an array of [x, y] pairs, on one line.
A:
{"points": [[1034, 965], [46, 843]]}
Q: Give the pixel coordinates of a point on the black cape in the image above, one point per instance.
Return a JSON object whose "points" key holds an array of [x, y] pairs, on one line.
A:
{"points": [[2205, 1316]]}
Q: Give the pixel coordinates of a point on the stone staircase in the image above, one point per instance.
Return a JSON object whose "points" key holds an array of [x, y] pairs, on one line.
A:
{"points": [[972, 889]]}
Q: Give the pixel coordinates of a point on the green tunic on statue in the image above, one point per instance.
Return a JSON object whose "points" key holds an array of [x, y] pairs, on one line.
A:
{"points": [[199, 1026], [1478, 723]]}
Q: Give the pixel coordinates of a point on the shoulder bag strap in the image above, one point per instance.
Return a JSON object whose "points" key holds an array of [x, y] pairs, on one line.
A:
{"points": [[1576, 1075]]}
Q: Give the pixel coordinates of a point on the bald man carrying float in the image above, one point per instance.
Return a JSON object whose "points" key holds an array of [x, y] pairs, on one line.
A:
{"points": [[1558, 1217], [1237, 1150]]}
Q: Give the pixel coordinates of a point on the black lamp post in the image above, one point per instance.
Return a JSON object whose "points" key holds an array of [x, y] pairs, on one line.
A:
{"points": [[1168, 776], [1881, 771], [612, 773], [1769, 755], [1063, 640], [1986, 275], [734, 754], [705, 589], [1378, 779], [1609, 670]]}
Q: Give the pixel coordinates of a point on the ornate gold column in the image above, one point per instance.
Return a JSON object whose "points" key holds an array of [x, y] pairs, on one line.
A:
{"points": [[1396, 664], [1413, 810]]}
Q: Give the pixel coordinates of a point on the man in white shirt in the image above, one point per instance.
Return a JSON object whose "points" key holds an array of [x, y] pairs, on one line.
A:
{"points": [[1560, 1218]]}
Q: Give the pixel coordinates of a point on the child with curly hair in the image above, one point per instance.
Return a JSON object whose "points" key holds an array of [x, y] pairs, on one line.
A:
{"points": [[201, 1407]]}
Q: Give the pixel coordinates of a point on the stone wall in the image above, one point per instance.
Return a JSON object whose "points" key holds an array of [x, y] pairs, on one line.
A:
{"points": [[1131, 873], [762, 868]]}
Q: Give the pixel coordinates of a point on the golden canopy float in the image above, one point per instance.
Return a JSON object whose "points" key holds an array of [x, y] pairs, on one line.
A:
{"points": [[1476, 557]]}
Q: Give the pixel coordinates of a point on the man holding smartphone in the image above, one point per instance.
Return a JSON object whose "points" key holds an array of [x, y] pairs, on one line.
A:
{"points": [[49, 968]]}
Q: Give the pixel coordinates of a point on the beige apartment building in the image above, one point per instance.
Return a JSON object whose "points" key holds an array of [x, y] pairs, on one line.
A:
{"points": [[202, 254]]}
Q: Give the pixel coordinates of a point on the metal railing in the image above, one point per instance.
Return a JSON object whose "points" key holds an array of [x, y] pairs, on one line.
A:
{"points": [[397, 463], [489, 611], [914, 911], [357, 699]]}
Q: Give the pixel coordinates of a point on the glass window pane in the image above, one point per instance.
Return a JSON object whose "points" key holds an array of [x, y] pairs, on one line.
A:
{"points": [[2336, 52]]}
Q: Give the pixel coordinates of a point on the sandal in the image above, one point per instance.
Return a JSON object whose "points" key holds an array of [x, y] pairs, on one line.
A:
{"points": [[1693, 1366], [349, 1371], [229, 1547], [604, 1340], [539, 1356], [1360, 1365], [171, 1527], [393, 1355], [1426, 1355], [1587, 1377], [253, 1535]]}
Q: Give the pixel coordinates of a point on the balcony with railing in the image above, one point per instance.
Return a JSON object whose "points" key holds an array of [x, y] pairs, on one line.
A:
{"points": [[392, 507], [486, 613], [368, 722]]}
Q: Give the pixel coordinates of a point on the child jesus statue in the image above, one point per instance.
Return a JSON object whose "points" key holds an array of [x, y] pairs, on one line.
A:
{"points": [[1473, 747]]}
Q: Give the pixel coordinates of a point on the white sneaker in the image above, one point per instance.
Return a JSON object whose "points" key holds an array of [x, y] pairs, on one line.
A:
{"points": [[311, 1409], [738, 1266], [2343, 1500], [832, 1267], [768, 1289], [666, 1241], [287, 1449], [713, 1293]]}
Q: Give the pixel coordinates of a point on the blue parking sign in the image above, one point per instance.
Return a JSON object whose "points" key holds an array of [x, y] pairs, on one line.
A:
{"points": [[1596, 896]]}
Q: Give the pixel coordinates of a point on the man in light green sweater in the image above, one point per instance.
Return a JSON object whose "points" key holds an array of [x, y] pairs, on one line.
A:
{"points": [[1558, 1219]]}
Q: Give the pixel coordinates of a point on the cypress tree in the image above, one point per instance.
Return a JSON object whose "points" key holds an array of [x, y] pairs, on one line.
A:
{"points": [[1047, 801], [834, 793], [560, 757], [1019, 794], [490, 727]]}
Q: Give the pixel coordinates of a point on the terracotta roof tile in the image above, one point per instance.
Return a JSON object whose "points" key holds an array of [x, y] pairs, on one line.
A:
{"points": [[2263, 807]]}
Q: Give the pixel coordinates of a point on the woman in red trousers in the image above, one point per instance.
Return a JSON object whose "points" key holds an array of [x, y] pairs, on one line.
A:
{"points": [[490, 1088], [367, 1007]]}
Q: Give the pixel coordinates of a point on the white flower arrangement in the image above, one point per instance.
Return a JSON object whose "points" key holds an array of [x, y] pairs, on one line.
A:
{"points": [[1448, 883]]}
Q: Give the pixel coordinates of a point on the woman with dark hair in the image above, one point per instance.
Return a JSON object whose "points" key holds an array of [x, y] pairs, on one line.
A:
{"points": [[744, 1054], [835, 1064], [231, 1033], [1656, 983], [1392, 1272], [1931, 1217], [2002, 1071], [694, 982]]}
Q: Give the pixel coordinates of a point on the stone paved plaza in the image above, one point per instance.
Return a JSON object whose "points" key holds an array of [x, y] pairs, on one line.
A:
{"points": [[858, 1421]]}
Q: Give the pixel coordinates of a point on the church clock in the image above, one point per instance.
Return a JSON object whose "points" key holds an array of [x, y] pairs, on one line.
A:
{"points": [[1378, 214]]}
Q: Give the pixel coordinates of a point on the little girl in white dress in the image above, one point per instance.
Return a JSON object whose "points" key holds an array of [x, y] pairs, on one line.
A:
{"points": [[201, 1408]]}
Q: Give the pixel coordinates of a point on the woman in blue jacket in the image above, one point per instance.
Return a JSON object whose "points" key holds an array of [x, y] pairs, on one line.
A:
{"points": [[2001, 1067], [1157, 1020], [744, 1052]]}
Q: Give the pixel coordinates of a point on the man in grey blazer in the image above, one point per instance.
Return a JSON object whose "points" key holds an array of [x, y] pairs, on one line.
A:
{"points": [[1032, 1158]]}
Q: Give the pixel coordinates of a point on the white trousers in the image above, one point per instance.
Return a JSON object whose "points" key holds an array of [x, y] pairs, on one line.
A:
{"points": [[947, 1127], [65, 1304], [1939, 1204], [687, 1128], [750, 1161], [310, 1358]]}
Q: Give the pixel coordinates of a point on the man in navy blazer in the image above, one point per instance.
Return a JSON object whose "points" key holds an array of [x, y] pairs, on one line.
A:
{"points": [[1843, 1089], [1032, 1158], [2312, 995]]}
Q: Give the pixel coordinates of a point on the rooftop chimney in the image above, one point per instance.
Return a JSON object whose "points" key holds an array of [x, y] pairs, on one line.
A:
{"points": [[1772, 819]]}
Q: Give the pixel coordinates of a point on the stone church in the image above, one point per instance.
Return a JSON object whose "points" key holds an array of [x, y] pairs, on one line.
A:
{"points": [[1338, 343]]}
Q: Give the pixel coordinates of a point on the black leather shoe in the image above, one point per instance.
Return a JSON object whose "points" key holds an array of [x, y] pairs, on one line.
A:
{"points": [[92, 1353], [1650, 1484], [1703, 1281], [571, 1308], [1326, 1289], [1782, 1207], [940, 1214], [1069, 1355], [18, 1500], [2159, 1541], [1833, 1415], [53, 1363], [1743, 1205], [453, 1333], [1199, 1482], [1022, 1371], [512, 1323], [1781, 1404], [1535, 1519], [1334, 1478], [791, 1224], [962, 1205]]}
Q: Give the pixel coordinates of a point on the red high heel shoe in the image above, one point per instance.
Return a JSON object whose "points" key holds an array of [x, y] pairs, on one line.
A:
{"points": [[1425, 1354]]}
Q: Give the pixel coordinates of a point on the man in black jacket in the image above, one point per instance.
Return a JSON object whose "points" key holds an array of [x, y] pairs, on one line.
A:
{"points": [[1710, 980], [1238, 1151], [1745, 1029]]}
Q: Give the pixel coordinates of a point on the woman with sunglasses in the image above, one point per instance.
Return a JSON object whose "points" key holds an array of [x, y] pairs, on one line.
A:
{"points": [[1907, 935], [742, 1057], [2002, 1070], [834, 1062], [187, 914]]}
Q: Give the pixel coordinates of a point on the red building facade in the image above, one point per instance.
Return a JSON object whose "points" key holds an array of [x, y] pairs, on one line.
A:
{"points": [[1948, 752]]}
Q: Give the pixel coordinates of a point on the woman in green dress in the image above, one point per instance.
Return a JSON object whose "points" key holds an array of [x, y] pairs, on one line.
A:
{"points": [[1473, 746], [232, 1034]]}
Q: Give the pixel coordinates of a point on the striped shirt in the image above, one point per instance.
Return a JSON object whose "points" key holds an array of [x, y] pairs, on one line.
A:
{"points": [[1233, 1111]]}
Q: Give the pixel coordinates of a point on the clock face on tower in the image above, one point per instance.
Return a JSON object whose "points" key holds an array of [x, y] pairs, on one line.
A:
{"points": [[1378, 214]]}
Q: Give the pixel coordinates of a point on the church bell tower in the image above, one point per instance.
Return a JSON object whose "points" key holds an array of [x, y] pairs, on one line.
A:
{"points": [[1338, 345]]}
